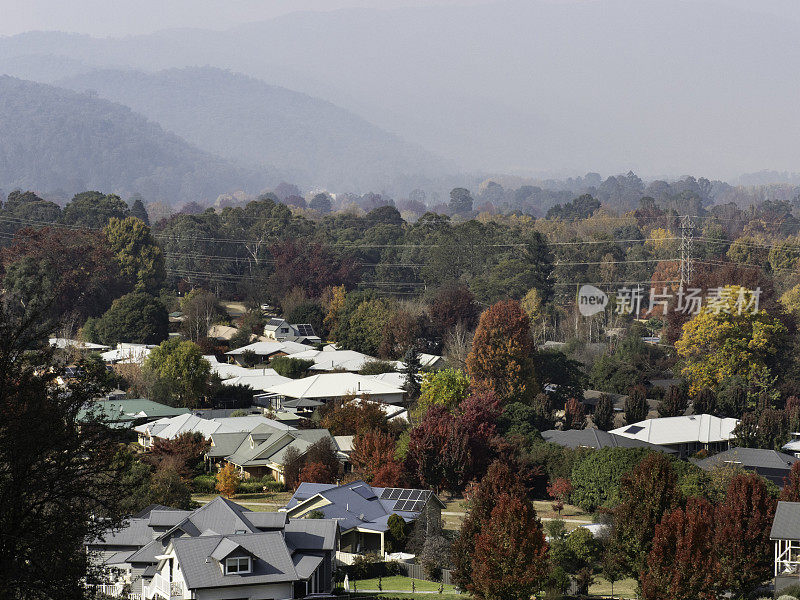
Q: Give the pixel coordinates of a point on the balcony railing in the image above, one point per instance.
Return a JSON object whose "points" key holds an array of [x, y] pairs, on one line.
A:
{"points": [[165, 588]]}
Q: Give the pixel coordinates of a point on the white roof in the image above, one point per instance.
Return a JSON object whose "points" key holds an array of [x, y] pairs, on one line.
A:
{"points": [[344, 443], [705, 429], [332, 360], [261, 382], [226, 371], [128, 353], [429, 360], [267, 348], [222, 332], [394, 378], [169, 428], [335, 385], [63, 343]]}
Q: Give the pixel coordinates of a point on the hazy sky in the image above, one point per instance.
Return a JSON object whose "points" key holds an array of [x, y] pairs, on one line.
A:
{"points": [[129, 17]]}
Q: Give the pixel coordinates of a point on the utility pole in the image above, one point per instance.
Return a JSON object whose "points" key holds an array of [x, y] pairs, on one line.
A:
{"points": [[687, 239]]}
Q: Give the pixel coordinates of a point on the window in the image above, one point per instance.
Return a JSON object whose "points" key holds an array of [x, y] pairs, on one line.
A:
{"points": [[237, 565]]}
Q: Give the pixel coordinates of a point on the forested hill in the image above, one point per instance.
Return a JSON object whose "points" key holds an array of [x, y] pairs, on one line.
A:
{"points": [[53, 139], [252, 122]]}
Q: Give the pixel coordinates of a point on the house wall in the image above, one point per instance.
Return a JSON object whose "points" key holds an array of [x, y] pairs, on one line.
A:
{"points": [[275, 591]]}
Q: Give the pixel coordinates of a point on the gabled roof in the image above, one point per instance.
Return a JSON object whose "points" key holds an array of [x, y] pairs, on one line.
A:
{"points": [[359, 505], [786, 524], [132, 410], [169, 428], [334, 385], [679, 430], [332, 360], [134, 533], [258, 382], [272, 448], [272, 562], [226, 371], [755, 458], [595, 438], [311, 534], [269, 348]]}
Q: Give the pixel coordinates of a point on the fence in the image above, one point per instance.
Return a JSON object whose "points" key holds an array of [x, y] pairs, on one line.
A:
{"points": [[417, 572]]}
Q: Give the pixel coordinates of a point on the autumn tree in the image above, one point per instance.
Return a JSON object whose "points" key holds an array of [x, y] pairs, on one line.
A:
{"points": [[729, 339], [184, 451], [372, 450], [647, 492], [351, 416], [310, 266], [293, 462], [316, 472], [636, 407], [140, 257], [574, 416], [603, 417], [682, 564], [791, 485], [446, 387], [451, 305], [323, 453], [228, 481], [502, 353], [559, 491], [743, 523], [498, 574], [500, 480]]}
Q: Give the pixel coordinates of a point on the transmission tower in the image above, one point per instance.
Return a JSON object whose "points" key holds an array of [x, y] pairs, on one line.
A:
{"points": [[687, 239]]}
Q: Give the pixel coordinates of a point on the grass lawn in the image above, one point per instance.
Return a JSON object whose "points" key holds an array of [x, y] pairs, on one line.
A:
{"points": [[544, 508], [398, 582], [265, 502], [622, 589]]}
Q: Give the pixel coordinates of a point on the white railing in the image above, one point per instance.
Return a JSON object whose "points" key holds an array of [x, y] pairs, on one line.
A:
{"points": [[165, 588], [111, 589]]}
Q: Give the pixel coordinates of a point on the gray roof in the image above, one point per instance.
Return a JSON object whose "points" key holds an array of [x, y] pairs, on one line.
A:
{"points": [[595, 438], [306, 564], [272, 448], [786, 524], [311, 534], [167, 517], [756, 458], [135, 533], [267, 520], [225, 444], [272, 562], [358, 504]]}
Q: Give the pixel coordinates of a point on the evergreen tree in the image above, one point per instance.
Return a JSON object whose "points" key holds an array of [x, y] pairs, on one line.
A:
{"points": [[412, 367], [603, 417], [674, 403], [138, 210], [636, 407]]}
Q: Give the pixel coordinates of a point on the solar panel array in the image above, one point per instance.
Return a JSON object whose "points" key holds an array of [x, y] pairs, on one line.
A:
{"points": [[406, 500], [305, 329]]}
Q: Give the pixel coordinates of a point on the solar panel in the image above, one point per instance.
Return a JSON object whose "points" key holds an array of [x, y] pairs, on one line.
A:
{"points": [[415, 494], [405, 495], [365, 492], [400, 505], [385, 493], [426, 494], [418, 506], [305, 329], [395, 493], [634, 429]]}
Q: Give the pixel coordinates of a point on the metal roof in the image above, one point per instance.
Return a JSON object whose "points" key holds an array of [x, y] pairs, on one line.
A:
{"points": [[595, 438], [786, 524]]}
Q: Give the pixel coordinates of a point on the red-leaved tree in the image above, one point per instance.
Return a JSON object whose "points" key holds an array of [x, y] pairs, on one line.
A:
{"points": [[371, 452], [646, 493], [574, 415], [791, 485], [316, 472], [559, 491], [682, 564], [510, 559], [743, 523]]}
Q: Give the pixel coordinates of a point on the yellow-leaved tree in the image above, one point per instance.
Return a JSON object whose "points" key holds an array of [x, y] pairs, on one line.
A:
{"points": [[730, 339]]}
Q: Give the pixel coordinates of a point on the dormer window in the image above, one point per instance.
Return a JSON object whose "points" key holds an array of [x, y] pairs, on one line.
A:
{"points": [[240, 564]]}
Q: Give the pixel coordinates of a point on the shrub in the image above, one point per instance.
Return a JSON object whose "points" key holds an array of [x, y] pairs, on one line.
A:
{"points": [[204, 484], [787, 593], [294, 368]]}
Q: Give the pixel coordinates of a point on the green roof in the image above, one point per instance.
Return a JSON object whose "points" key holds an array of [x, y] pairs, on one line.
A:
{"points": [[132, 410]]}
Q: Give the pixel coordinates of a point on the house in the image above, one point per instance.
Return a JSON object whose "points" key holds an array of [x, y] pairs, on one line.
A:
{"points": [[126, 353], [363, 511], [221, 333], [432, 362], [171, 427], [686, 435], [226, 370], [127, 413], [335, 360], [280, 330], [70, 344], [793, 447], [262, 451], [595, 438], [265, 351], [220, 550], [771, 465], [325, 387], [785, 534], [259, 380]]}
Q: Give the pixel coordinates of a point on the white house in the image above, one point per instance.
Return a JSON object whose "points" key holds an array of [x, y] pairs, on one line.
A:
{"points": [[686, 435], [281, 330], [267, 350], [332, 386]]}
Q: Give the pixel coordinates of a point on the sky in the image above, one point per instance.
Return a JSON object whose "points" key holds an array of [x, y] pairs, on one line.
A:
{"points": [[132, 17]]}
